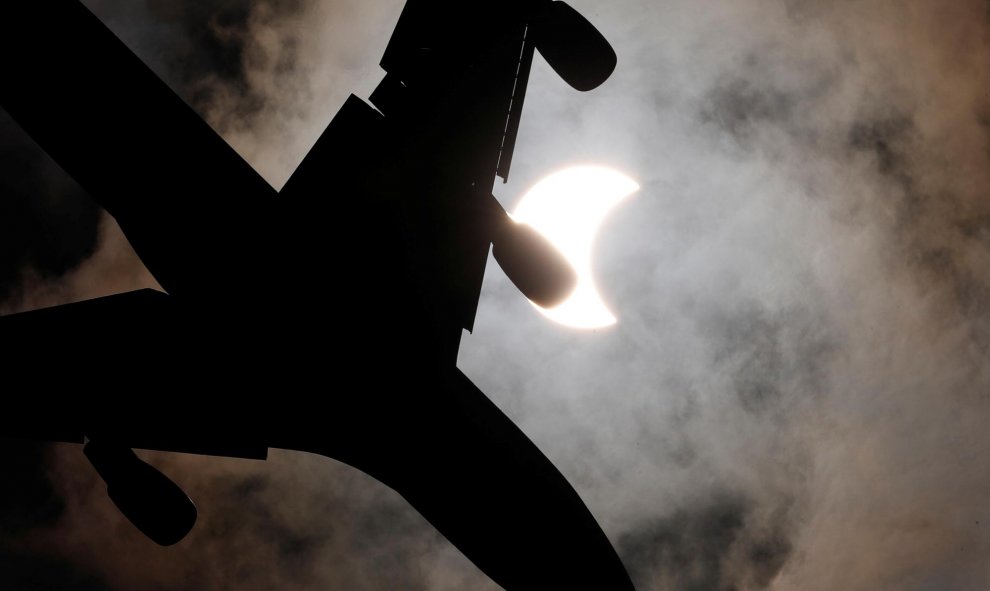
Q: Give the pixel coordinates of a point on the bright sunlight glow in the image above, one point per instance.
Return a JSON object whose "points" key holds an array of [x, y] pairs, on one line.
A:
{"points": [[568, 207]]}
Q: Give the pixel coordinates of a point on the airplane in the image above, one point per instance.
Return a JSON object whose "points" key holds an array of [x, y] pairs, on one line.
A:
{"points": [[325, 317]]}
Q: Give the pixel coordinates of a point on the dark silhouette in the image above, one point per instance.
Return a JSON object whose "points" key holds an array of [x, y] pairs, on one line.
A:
{"points": [[375, 247]]}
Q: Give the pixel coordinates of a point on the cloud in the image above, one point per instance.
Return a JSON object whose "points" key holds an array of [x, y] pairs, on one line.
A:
{"points": [[800, 285], [295, 521], [31, 503], [713, 545], [48, 224], [268, 75]]}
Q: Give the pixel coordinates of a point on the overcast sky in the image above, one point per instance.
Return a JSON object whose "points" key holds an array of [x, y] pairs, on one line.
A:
{"points": [[797, 393]]}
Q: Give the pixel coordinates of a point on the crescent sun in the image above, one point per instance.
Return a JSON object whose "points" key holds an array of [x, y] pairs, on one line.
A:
{"points": [[568, 207]]}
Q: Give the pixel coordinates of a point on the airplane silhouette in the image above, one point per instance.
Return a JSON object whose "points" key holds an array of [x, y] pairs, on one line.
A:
{"points": [[325, 317]]}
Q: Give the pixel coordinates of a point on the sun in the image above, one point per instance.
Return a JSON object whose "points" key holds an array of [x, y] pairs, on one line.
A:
{"points": [[568, 207]]}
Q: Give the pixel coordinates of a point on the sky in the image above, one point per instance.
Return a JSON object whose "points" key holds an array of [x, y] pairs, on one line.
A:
{"points": [[797, 390]]}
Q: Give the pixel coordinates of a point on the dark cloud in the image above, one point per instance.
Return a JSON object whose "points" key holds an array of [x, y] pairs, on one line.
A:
{"points": [[294, 522], [266, 74], [887, 141], [29, 501], [934, 241], [35, 572], [770, 354], [714, 545], [210, 52], [739, 108], [32, 501], [48, 224]]}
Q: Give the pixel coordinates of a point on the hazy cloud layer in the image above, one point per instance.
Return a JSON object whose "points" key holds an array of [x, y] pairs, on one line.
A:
{"points": [[794, 396], [797, 394]]}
